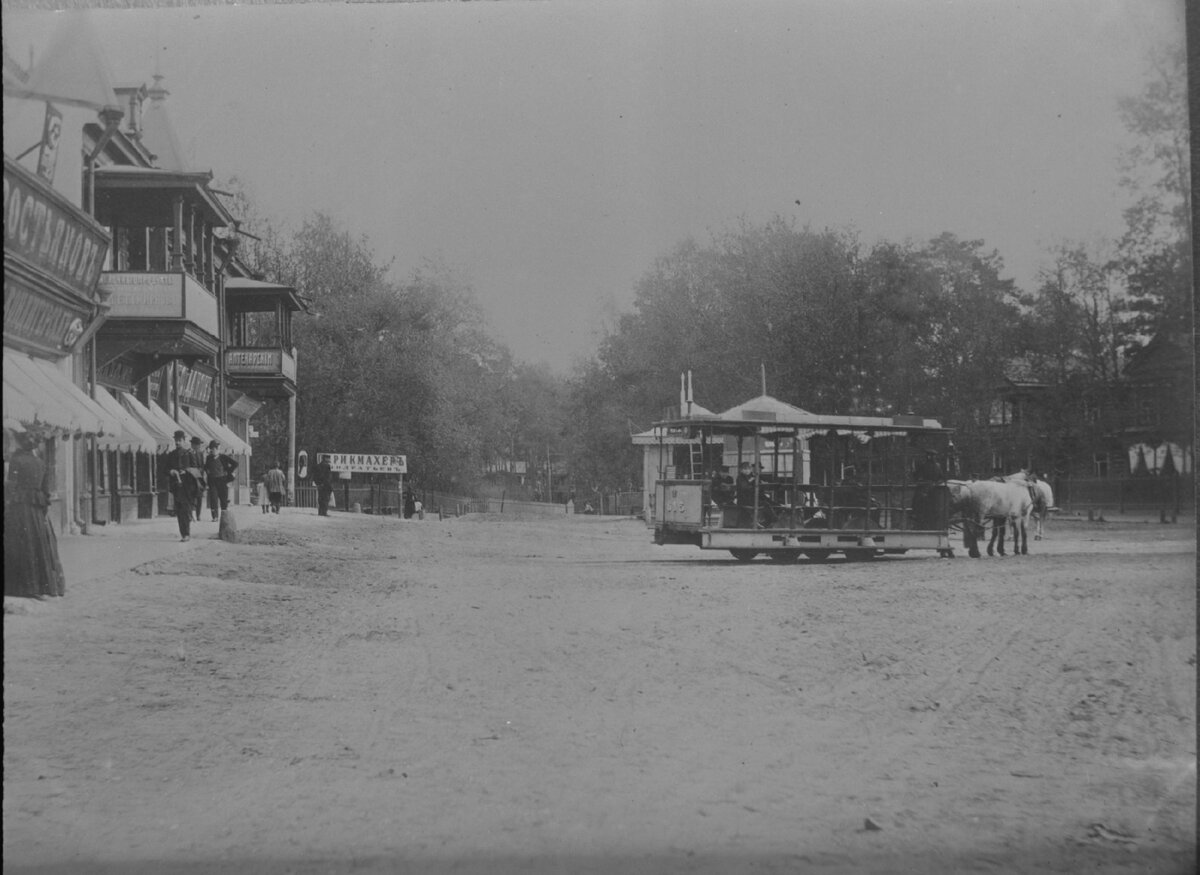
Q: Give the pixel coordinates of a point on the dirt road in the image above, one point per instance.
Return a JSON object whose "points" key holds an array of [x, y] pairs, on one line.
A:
{"points": [[356, 694]]}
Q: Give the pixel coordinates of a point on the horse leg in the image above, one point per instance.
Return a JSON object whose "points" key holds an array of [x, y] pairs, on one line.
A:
{"points": [[997, 540], [1024, 538], [971, 538]]}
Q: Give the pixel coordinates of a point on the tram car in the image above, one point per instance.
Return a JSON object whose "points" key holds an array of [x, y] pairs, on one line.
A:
{"points": [[766, 478]]}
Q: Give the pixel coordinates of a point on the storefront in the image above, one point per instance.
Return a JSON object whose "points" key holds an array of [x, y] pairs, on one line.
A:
{"points": [[53, 255]]}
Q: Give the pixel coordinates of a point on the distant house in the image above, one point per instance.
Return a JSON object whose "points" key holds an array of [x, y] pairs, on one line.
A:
{"points": [[1157, 423], [1067, 425]]}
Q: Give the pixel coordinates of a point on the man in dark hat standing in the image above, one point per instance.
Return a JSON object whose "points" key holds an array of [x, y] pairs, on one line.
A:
{"points": [[197, 452], [183, 477]]}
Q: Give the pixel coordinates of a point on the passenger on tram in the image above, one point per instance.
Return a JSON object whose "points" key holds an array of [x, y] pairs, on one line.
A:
{"points": [[749, 481], [927, 475], [721, 487]]}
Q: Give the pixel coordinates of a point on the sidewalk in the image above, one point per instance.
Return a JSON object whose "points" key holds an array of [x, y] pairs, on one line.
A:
{"points": [[118, 547]]}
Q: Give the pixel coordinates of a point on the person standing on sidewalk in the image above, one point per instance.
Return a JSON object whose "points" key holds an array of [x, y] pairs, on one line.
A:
{"points": [[31, 564], [218, 471], [323, 478], [198, 463], [184, 478], [276, 483]]}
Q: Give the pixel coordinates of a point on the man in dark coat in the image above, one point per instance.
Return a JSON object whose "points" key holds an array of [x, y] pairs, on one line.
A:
{"points": [[928, 474], [197, 452], [218, 471], [184, 479], [323, 479]]}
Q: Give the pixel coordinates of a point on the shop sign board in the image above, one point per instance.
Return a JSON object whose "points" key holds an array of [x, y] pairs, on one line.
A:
{"points": [[49, 233], [254, 361], [32, 317], [365, 463], [144, 295], [195, 387]]}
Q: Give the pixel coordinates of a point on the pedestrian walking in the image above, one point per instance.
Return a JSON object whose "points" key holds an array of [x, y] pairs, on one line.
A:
{"points": [[264, 500], [184, 479], [31, 563], [323, 478], [276, 483], [197, 452], [410, 503], [218, 471]]}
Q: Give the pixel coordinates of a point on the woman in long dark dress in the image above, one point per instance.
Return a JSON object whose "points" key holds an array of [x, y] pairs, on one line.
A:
{"points": [[31, 565]]}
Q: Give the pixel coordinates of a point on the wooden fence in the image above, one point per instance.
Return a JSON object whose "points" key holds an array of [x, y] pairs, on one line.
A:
{"points": [[1172, 494]]}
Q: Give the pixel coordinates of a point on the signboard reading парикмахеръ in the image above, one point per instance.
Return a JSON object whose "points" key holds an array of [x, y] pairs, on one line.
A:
{"points": [[365, 463]]}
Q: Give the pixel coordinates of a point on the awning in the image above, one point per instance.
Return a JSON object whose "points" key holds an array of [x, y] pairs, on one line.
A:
{"points": [[228, 438], [160, 426], [132, 437], [195, 429], [37, 394]]}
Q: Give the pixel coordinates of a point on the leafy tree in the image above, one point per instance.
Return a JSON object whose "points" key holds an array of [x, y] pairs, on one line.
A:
{"points": [[1155, 251]]}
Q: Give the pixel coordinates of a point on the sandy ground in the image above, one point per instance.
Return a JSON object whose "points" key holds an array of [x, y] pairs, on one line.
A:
{"points": [[357, 694]]}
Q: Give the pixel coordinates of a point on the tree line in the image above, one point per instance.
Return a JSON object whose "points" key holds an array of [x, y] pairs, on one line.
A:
{"points": [[408, 366]]}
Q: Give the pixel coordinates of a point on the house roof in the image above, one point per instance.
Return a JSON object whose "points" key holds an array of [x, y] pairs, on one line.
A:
{"points": [[1167, 356]]}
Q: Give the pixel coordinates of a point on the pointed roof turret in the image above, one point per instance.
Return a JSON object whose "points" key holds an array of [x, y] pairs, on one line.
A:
{"points": [[158, 133]]}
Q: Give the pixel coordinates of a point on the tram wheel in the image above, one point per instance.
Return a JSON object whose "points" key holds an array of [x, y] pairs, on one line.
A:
{"points": [[784, 557], [818, 555], [742, 554]]}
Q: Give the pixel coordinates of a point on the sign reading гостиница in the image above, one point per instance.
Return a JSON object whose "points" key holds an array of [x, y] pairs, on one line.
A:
{"points": [[365, 463]]}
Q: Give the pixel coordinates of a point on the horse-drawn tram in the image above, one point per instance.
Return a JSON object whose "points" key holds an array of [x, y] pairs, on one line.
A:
{"points": [[767, 478]]}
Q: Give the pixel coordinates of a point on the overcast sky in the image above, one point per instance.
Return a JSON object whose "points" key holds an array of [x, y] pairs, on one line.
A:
{"points": [[551, 150]]}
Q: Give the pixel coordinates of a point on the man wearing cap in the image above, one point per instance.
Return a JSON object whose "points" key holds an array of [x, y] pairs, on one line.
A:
{"points": [[218, 471], [183, 477]]}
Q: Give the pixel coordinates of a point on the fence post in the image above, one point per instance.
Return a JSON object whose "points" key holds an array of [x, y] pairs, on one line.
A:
{"points": [[1121, 494]]}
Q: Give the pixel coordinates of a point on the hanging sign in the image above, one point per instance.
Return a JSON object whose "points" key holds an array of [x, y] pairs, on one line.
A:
{"points": [[366, 463], [302, 464], [51, 133]]}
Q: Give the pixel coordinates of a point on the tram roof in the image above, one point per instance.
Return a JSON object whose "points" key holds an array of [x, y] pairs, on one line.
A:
{"points": [[765, 413], [813, 424]]}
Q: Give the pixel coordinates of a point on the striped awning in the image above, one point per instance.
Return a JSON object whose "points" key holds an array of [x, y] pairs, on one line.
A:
{"points": [[196, 429], [226, 436], [38, 395], [160, 426], [133, 436]]}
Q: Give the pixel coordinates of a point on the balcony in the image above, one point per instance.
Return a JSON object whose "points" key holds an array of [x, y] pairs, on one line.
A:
{"points": [[268, 372], [162, 313]]}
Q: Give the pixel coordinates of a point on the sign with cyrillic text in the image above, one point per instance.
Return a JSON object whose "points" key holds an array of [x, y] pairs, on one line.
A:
{"points": [[366, 463]]}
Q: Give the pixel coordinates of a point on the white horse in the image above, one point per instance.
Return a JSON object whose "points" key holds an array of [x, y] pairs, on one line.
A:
{"points": [[978, 501], [1043, 504]]}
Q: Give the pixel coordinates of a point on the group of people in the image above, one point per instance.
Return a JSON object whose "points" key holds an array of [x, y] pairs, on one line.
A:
{"points": [[272, 488], [194, 474], [750, 480]]}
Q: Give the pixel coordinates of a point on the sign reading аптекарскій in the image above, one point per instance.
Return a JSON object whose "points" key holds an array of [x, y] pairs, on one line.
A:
{"points": [[365, 463]]}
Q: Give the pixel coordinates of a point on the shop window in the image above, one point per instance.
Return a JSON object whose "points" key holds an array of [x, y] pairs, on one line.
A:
{"points": [[143, 473], [125, 472], [97, 477], [261, 330]]}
